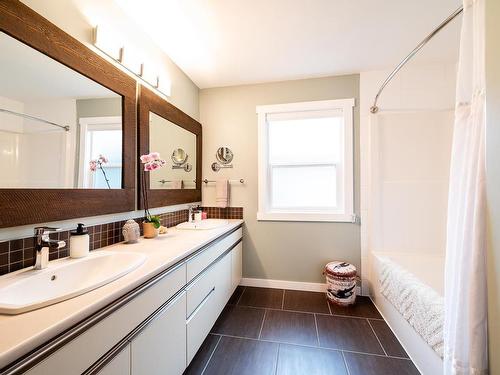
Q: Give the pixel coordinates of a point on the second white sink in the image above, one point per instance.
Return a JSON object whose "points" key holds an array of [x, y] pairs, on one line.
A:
{"points": [[29, 289], [203, 224]]}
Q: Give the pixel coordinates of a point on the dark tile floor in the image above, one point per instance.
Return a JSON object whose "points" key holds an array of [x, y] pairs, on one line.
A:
{"points": [[286, 332]]}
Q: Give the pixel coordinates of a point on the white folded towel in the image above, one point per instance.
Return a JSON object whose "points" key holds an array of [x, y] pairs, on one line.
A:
{"points": [[177, 184], [222, 193]]}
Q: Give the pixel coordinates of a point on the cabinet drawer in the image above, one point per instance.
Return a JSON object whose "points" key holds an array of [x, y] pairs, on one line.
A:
{"points": [[236, 265], [202, 260], [119, 365], [160, 349], [80, 353], [206, 313], [201, 287]]}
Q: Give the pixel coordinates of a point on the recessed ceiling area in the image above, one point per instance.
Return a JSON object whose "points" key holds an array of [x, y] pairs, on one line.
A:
{"points": [[230, 42]]}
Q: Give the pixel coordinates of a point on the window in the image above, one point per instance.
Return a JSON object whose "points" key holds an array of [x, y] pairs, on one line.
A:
{"points": [[101, 136], [306, 161]]}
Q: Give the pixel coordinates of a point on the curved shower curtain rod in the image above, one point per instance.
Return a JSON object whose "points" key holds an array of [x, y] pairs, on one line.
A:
{"points": [[374, 108]]}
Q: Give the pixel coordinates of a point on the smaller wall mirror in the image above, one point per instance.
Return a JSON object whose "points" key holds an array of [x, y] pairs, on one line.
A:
{"points": [[224, 155], [179, 157], [167, 130]]}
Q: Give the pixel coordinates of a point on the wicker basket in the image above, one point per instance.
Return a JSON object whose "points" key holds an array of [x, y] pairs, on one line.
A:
{"points": [[341, 283]]}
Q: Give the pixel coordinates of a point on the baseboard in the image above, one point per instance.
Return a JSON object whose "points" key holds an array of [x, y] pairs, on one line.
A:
{"points": [[291, 285]]}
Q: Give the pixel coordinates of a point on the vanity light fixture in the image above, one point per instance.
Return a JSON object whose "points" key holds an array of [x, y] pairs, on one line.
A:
{"points": [[108, 42], [130, 59]]}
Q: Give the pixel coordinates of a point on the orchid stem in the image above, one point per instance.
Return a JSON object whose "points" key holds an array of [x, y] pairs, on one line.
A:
{"points": [[104, 174]]}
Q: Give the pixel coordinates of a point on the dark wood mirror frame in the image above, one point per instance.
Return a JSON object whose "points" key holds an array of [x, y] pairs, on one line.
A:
{"points": [[29, 206], [150, 102]]}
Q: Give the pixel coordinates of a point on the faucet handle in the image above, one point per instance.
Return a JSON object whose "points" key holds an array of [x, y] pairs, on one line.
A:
{"points": [[40, 231]]}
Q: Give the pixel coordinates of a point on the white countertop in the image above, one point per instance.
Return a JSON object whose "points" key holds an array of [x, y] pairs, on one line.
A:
{"points": [[22, 333]]}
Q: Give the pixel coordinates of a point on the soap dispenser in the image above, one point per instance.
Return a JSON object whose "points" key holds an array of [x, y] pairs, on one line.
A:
{"points": [[79, 242]]}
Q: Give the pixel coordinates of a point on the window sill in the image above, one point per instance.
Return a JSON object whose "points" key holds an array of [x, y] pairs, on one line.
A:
{"points": [[305, 216]]}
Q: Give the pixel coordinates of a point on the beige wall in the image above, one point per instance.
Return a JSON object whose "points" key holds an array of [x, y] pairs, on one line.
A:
{"points": [[100, 107], [493, 176], [293, 251]]}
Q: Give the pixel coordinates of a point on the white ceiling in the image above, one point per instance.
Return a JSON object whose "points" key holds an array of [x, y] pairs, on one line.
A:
{"points": [[230, 42]]}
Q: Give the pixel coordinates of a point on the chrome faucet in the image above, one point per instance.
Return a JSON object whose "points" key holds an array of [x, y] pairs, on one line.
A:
{"points": [[42, 245], [193, 208]]}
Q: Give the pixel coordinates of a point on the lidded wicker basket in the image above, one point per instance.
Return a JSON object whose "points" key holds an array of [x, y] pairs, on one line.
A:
{"points": [[341, 282]]}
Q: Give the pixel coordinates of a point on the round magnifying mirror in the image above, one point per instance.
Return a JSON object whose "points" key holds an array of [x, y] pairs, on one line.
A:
{"points": [[215, 167], [179, 156], [224, 155]]}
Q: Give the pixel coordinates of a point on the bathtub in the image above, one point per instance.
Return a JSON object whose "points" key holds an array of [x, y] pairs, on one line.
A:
{"points": [[397, 280]]}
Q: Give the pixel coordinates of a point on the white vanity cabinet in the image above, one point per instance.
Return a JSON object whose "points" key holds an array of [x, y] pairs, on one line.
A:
{"points": [[215, 283], [119, 365], [156, 328], [161, 347], [236, 266]]}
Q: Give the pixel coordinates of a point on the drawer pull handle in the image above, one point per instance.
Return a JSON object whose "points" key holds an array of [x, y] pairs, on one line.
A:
{"points": [[203, 301]]}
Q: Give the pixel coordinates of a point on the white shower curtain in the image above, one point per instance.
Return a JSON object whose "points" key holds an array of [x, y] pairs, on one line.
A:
{"points": [[465, 323]]}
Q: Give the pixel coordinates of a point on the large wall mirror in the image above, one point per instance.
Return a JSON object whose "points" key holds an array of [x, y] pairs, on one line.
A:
{"points": [[67, 125], [177, 138]]}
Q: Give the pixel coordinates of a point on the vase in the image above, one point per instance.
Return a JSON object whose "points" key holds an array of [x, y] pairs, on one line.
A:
{"points": [[149, 230]]}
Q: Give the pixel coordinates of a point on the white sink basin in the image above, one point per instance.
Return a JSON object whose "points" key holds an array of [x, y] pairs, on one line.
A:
{"points": [[30, 289], [203, 224]]}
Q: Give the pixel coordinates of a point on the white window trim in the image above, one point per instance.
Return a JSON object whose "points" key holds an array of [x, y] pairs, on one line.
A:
{"points": [[85, 178], [264, 212]]}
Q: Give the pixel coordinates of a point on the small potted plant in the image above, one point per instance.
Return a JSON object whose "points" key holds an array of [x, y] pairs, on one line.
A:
{"points": [[151, 223]]}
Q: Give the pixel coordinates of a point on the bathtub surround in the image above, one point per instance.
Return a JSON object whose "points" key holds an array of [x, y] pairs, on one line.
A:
{"points": [[425, 95], [20, 253], [282, 251], [403, 188]]}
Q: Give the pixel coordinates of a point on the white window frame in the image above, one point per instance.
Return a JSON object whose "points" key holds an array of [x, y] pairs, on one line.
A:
{"points": [[265, 212], [85, 177]]}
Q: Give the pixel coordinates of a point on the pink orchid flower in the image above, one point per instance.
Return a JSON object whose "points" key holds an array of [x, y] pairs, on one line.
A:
{"points": [[93, 165], [152, 161], [146, 158]]}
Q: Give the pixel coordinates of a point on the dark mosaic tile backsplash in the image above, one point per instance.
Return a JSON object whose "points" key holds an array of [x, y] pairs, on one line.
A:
{"points": [[20, 253], [224, 213]]}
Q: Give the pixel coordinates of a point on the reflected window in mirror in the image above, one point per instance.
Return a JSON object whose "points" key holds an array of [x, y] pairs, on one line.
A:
{"points": [[53, 122], [100, 152], [176, 145]]}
